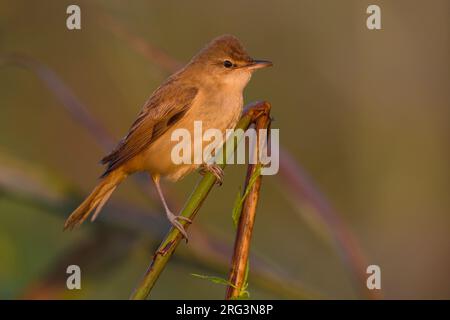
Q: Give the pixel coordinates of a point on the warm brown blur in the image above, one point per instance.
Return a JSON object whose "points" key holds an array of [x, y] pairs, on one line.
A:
{"points": [[365, 113]]}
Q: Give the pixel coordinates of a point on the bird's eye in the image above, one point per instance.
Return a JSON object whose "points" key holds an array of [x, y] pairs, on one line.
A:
{"points": [[227, 64]]}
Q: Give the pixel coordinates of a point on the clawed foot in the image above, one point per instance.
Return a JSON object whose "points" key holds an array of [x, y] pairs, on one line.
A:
{"points": [[215, 170], [174, 221]]}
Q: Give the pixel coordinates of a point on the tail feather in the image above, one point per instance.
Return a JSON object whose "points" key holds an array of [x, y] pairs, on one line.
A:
{"points": [[96, 200], [102, 203]]}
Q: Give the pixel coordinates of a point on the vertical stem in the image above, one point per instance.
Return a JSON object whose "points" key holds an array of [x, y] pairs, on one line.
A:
{"points": [[246, 219]]}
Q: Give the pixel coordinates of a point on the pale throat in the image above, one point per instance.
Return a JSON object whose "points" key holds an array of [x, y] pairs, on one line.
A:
{"points": [[237, 81]]}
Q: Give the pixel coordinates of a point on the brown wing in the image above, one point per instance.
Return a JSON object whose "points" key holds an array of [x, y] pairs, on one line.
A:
{"points": [[164, 108]]}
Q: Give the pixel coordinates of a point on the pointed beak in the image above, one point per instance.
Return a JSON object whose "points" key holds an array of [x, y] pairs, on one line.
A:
{"points": [[258, 64]]}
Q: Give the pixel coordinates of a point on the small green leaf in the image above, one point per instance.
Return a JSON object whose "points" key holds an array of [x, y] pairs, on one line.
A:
{"points": [[237, 208], [214, 279], [244, 293], [247, 269]]}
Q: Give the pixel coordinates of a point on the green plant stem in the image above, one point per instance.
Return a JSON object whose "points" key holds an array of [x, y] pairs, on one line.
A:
{"points": [[201, 191]]}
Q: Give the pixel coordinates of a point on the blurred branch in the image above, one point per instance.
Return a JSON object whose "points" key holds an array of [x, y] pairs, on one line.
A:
{"points": [[201, 191], [152, 53], [65, 96], [298, 185], [239, 263]]}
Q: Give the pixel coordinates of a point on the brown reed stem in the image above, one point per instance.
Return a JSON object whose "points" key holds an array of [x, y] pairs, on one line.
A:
{"points": [[247, 217]]}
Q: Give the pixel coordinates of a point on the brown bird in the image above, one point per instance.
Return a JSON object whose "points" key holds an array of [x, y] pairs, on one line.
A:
{"points": [[208, 89]]}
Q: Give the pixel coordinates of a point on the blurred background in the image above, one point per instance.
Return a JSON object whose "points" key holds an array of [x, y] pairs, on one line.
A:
{"points": [[364, 125]]}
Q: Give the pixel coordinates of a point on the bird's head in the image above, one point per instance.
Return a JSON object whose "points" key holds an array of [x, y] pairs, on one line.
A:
{"points": [[225, 59]]}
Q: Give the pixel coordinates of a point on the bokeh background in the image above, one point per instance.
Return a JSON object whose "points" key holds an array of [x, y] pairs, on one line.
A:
{"points": [[365, 114]]}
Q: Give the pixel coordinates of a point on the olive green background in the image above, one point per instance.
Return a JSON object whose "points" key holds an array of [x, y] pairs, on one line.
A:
{"points": [[366, 113]]}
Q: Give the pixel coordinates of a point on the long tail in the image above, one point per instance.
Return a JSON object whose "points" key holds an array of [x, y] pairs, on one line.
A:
{"points": [[96, 200]]}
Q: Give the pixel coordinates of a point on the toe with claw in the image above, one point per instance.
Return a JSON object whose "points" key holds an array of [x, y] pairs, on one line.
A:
{"points": [[215, 170], [174, 221]]}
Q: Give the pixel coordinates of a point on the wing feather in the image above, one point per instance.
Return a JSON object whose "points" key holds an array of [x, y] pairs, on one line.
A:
{"points": [[164, 108]]}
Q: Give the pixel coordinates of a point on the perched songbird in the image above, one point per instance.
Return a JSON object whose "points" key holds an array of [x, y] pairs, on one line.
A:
{"points": [[208, 89]]}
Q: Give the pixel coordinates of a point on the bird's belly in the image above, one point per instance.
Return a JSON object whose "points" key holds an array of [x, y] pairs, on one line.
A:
{"points": [[221, 115]]}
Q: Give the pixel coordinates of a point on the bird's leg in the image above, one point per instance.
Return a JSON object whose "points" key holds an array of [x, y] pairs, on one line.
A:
{"points": [[215, 169], [172, 217]]}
